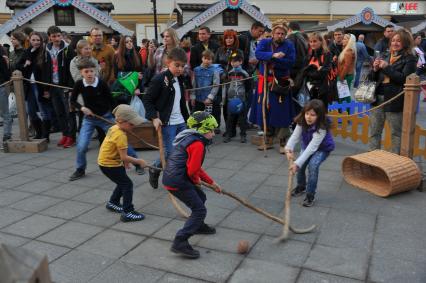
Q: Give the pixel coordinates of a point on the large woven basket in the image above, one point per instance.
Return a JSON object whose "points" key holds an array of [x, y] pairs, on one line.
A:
{"points": [[381, 173]]}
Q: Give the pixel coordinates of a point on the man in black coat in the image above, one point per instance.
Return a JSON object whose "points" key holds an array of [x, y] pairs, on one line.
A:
{"points": [[383, 44], [204, 43]]}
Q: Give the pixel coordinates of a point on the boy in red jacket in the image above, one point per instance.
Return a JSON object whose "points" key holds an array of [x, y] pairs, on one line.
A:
{"points": [[183, 175]]}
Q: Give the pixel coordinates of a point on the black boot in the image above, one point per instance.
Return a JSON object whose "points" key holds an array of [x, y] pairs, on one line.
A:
{"points": [[206, 230], [37, 128], [154, 174], [45, 129], [181, 246]]}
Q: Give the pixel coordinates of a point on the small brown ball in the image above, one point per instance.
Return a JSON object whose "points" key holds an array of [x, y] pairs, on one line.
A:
{"points": [[243, 246]]}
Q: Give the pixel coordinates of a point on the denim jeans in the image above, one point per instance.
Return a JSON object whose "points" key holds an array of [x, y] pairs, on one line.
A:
{"points": [[4, 112], [195, 199], [123, 189], [169, 133], [86, 132], [61, 108], [358, 70], [32, 105], [313, 164], [44, 106]]}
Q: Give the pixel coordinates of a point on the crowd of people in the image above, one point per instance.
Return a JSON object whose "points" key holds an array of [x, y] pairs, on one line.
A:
{"points": [[280, 78]]}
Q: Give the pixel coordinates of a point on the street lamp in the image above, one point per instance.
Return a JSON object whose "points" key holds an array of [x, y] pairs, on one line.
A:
{"points": [[154, 4]]}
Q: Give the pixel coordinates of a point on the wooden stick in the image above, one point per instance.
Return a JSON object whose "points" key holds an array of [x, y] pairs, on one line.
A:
{"points": [[260, 211], [130, 132], [284, 235], [265, 86], [179, 209]]}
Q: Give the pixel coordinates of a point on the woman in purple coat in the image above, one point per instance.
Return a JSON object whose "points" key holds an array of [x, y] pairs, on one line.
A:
{"points": [[279, 55]]}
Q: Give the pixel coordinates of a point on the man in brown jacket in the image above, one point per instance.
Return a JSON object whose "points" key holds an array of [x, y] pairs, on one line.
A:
{"points": [[104, 54]]}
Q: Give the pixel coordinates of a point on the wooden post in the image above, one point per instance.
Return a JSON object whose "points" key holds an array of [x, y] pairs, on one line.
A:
{"points": [[411, 99], [24, 144], [18, 86]]}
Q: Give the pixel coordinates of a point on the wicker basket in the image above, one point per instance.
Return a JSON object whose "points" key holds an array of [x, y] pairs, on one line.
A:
{"points": [[381, 173]]}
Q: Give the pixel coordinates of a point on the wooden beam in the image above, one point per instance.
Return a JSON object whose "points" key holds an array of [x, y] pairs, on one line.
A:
{"points": [[411, 99]]}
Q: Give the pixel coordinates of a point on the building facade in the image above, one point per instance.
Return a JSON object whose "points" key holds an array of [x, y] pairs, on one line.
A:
{"points": [[137, 15]]}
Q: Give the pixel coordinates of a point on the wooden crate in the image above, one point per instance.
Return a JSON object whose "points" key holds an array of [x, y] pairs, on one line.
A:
{"points": [[147, 132], [32, 146]]}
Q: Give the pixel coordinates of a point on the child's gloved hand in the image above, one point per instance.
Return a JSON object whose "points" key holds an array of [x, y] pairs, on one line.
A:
{"points": [[217, 189]]}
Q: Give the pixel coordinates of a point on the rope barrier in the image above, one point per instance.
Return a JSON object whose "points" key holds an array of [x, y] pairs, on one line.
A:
{"points": [[190, 89], [368, 110], [5, 83]]}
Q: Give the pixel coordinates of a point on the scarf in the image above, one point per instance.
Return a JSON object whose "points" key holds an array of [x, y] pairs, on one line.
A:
{"points": [[393, 58]]}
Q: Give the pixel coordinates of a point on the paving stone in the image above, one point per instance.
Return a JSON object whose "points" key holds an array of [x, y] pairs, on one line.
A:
{"points": [[112, 244], [174, 278], [41, 161], [99, 216], [4, 175], [347, 230], [272, 206], [36, 203], [269, 192], [360, 201], [9, 216], [60, 176], [345, 262], [163, 207], [71, 234], [150, 225], [68, 209], [39, 172], [308, 276], [37, 186], [395, 270], [92, 181], [12, 240], [290, 252], [221, 175], [33, 226], [9, 197], [249, 177], [66, 191], [211, 266], [15, 181], [254, 271], [168, 231], [259, 168], [229, 164], [51, 251], [128, 273], [402, 225], [246, 221], [14, 169], [226, 240], [61, 164], [78, 266], [388, 245], [215, 214], [276, 181], [94, 196], [17, 158]]}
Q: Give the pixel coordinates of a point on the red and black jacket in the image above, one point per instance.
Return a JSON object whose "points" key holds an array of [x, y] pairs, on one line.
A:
{"points": [[183, 169]]}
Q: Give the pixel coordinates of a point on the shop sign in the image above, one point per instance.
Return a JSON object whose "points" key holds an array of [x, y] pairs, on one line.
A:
{"points": [[404, 7]]}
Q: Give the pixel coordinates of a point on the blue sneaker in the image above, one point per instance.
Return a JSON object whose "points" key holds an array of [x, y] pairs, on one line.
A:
{"points": [[114, 208], [132, 216]]}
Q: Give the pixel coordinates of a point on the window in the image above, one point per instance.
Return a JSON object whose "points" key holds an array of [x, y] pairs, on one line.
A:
{"points": [[230, 17], [64, 16]]}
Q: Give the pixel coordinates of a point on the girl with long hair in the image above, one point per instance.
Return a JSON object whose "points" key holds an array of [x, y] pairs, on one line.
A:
{"points": [[346, 62], [313, 132], [157, 57]]}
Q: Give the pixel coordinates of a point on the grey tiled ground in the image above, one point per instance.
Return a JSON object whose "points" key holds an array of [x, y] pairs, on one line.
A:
{"points": [[359, 237]]}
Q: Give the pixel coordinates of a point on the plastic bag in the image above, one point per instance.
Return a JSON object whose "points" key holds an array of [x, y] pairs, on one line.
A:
{"points": [[343, 89], [137, 105], [303, 96], [13, 111]]}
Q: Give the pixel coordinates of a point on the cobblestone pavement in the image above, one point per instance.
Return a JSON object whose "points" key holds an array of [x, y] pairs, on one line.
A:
{"points": [[360, 237]]}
